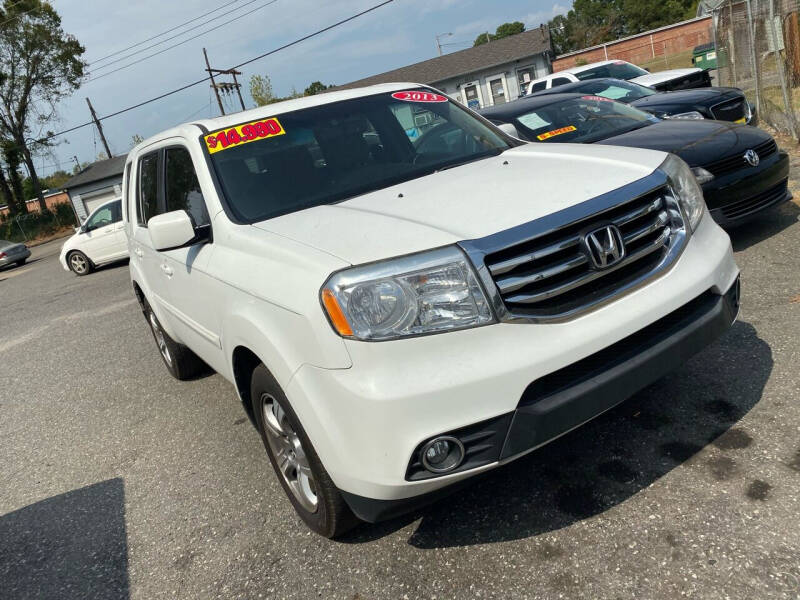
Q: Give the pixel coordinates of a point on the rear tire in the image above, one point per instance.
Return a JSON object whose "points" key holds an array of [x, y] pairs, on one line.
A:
{"points": [[306, 482], [79, 263], [181, 362]]}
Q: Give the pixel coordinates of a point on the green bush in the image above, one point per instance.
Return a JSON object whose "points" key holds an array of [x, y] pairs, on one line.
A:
{"points": [[33, 225]]}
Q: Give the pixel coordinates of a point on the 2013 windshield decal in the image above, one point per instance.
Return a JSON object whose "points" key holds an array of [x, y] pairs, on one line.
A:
{"points": [[419, 97], [243, 134]]}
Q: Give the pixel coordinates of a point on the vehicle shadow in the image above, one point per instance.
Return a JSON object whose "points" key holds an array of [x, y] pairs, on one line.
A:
{"points": [[767, 224], [73, 545], [608, 460]]}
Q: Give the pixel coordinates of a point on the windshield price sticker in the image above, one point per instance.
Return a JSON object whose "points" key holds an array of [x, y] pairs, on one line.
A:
{"points": [[598, 98], [555, 132], [419, 97], [242, 134]]}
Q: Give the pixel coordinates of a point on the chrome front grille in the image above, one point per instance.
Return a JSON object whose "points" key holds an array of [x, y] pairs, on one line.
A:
{"points": [[552, 275]]}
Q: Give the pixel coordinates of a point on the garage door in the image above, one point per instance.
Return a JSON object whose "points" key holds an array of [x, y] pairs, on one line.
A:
{"points": [[95, 201]]}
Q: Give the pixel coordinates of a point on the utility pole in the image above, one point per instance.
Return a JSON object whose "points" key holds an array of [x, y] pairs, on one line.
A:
{"points": [[99, 128], [213, 84], [77, 162], [439, 43], [224, 86]]}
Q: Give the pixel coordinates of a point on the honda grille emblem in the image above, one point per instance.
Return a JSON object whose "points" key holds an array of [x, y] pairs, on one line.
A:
{"points": [[752, 158], [605, 246]]}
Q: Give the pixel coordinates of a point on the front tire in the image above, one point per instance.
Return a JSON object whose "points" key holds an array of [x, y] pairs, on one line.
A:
{"points": [[306, 482], [79, 263], [181, 362], [21, 262]]}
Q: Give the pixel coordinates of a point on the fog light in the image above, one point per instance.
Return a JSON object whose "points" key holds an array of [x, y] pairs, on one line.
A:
{"points": [[442, 454]]}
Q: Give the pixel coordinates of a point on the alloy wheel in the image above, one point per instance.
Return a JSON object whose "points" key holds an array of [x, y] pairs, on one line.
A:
{"points": [[289, 453], [78, 263], [160, 339]]}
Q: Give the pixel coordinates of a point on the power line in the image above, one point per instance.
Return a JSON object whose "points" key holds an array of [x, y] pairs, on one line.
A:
{"points": [[163, 32], [179, 43], [204, 79], [177, 35]]}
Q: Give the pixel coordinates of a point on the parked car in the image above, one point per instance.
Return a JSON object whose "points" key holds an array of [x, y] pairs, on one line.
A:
{"points": [[99, 241], [399, 317], [672, 79], [741, 169], [719, 103], [13, 253]]}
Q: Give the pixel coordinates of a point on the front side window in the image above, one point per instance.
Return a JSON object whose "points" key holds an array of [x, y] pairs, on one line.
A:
{"points": [[560, 81], [148, 187], [102, 216], [332, 152], [538, 87], [182, 188], [617, 70], [581, 120]]}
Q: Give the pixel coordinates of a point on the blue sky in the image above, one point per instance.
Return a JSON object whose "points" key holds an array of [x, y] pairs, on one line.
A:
{"points": [[398, 34]]}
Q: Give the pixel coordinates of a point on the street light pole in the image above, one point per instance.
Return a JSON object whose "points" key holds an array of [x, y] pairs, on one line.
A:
{"points": [[438, 43]]}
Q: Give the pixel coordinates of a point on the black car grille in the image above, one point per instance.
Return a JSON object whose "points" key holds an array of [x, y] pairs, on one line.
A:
{"points": [[730, 110], [734, 163], [552, 275], [741, 208]]}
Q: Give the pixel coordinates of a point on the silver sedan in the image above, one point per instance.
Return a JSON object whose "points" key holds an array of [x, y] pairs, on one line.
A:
{"points": [[13, 253]]}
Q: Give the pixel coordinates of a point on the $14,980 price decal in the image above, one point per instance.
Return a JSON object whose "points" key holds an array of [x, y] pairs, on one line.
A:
{"points": [[242, 134]]}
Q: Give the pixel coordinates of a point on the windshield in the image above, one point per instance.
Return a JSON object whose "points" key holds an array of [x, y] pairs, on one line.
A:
{"points": [[581, 120], [328, 153], [624, 91], [617, 70]]}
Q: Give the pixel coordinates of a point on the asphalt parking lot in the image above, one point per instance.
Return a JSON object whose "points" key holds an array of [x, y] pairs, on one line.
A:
{"points": [[117, 481]]}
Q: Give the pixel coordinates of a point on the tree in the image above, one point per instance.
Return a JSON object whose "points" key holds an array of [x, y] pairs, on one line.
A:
{"points": [[6, 195], [592, 22], [136, 139], [504, 30], [261, 90], [40, 64], [11, 156], [315, 88]]}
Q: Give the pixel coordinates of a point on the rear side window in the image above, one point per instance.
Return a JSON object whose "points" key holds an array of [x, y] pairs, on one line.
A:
{"points": [[559, 81], [148, 187], [116, 211], [183, 189], [538, 87]]}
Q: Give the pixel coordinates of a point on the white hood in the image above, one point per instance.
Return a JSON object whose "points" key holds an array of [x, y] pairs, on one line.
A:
{"points": [[466, 202], [652, 79]]}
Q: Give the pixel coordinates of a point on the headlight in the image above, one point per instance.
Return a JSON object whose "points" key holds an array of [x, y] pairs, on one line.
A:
{"points": [[685, 187], [702, 175], [692, 114], [423, 293]]}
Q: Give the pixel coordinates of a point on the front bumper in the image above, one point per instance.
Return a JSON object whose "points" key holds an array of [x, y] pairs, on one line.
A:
{"points": [[739, 196], [566, 399], [367, 421]]}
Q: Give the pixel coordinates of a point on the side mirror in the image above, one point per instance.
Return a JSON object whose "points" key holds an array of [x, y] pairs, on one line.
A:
{"points": [[509, 129], [171, 230], [79, 229]]}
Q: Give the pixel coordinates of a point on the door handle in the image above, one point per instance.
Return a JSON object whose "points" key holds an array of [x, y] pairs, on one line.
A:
{"points": [[138, 252], [167, 270]]}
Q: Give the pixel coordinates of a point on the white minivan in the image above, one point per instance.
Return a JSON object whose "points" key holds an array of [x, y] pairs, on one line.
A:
{"points": [[99, 241], [402, 307]]}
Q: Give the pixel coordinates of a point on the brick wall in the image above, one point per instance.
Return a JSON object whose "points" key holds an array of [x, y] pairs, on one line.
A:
{"points": [[50, 201], [644, 47]]}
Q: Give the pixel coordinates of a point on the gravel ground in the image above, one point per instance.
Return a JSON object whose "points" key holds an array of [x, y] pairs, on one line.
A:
{"points": [[117, 481]]}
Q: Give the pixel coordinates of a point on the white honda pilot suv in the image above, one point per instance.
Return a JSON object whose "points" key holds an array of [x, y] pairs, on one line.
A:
{"points": [[404, 296]]}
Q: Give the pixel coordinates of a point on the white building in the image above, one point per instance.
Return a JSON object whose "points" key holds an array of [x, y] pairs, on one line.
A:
{"points": [[484, 75]]}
